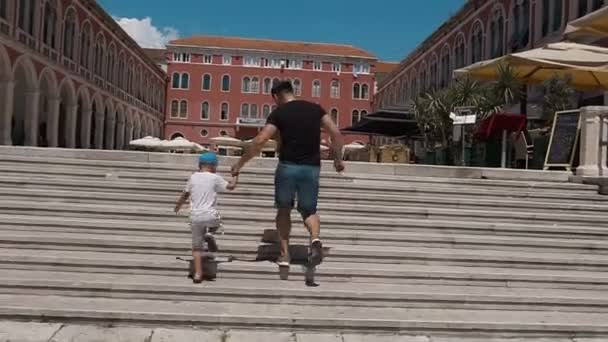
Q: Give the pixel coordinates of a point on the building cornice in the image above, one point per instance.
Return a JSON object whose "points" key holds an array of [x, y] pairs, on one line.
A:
{"points": [[466, 13], [197, 48], [116, 29]]}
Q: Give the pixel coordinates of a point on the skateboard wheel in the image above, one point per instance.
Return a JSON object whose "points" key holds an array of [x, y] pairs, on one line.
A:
{"points": [[284, 272]]}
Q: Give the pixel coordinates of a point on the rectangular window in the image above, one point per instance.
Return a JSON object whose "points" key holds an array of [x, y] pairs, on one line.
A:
{"points": [[205, 111], [207, 82], [252, 61], [582, 7], [3, 6], [546, 16], [295, 64], [362, 68], [317, 65], [557, 14], [316, 89], [181, 57], [227, 60], [336, 67], [224, 113], [207, 59]]}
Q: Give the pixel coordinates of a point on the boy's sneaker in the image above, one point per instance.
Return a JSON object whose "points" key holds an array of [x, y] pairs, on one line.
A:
{"points": [[316, 253]]}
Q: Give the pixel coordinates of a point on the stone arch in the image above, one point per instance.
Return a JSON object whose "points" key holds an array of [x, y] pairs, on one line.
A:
{"points": [[6, 97], [25, 103], [70, 32], [96, 127], [66, 128], [119, 128], [85, 44], [460, 51], [498, 16], [50, 20], [83, 119], [109, 125], [136, 126], [478, 28], [48, 109], [129, 122]]}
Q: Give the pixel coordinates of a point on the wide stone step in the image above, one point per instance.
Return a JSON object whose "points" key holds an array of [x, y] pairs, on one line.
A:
{"points": [[370, 227], [330, 271], [355, 186], [327, 199], [571, 244], [355, 253], [236, 290], [185, 162], [258, 212], [77, 169], [317, 317]]}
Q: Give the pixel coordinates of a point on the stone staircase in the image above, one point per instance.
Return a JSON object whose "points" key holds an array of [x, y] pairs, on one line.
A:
{"points": [[89, 237]]}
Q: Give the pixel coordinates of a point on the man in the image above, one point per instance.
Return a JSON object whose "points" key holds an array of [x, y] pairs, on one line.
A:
{"points": [[297, 124]]}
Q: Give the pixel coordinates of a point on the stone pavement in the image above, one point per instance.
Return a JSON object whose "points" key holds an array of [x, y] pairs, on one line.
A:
{"points": [[88, 245], [53, 332]]}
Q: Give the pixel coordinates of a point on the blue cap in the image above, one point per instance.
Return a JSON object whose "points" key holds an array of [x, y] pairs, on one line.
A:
{"points": [[208, 158]]}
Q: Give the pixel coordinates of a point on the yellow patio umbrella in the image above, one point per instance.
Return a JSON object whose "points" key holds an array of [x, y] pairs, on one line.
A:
{"points": [[593, 25], [586, 65]]}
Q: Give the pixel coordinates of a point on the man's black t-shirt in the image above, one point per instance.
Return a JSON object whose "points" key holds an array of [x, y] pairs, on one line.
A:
{"points": [[299, 124]]}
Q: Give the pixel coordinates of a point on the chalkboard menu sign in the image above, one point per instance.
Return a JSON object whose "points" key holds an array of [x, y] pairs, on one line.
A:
{"points": [[564, 139]]}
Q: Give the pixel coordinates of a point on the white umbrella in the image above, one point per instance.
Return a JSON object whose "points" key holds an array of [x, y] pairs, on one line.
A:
{"points": [[146, 142], [354, 146], [181, 144], [226, 141], [593, 25], [270, 144], [586, 65]]}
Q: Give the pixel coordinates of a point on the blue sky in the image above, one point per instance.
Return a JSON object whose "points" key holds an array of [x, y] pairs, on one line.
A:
{"points": [[388, 28]]}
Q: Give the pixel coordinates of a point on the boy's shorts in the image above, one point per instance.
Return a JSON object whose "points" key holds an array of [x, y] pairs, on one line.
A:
{"points": [[199, 230], [301, 181]]}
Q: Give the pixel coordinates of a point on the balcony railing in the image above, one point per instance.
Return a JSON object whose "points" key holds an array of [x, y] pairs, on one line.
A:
{"points": [[27, 39], [5, 27]]}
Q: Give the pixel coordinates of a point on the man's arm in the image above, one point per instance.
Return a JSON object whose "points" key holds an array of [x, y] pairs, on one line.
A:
{"points": [[255, 148], [337, 142]]}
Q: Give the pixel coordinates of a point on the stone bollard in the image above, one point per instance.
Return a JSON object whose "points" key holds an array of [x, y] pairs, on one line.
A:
{"points": [[590, 158]]}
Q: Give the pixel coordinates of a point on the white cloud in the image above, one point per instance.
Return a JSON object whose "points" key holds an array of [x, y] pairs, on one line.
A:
{"points": [[146, 34]]}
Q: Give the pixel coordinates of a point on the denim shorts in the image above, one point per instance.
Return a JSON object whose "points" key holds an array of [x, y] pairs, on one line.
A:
{"points": [[293, 181]]}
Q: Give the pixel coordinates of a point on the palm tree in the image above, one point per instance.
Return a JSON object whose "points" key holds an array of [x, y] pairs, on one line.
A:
{"points": [[559, 95]]}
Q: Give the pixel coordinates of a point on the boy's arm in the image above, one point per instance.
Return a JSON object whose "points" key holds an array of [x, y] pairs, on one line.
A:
{"points": [[183, 197], [181, 200]]}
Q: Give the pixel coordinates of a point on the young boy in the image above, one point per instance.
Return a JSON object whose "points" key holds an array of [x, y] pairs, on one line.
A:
{"points": [[202, 189]]}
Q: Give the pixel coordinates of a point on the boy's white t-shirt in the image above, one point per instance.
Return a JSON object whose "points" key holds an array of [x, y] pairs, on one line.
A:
{"points": [[203, 188]]}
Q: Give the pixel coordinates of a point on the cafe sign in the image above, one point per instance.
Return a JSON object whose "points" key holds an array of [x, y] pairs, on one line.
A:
{"points": [[257, 122]]}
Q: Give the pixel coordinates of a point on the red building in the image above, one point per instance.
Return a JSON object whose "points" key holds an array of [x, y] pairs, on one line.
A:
{"points": [[71, 77], [221, 86]]}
